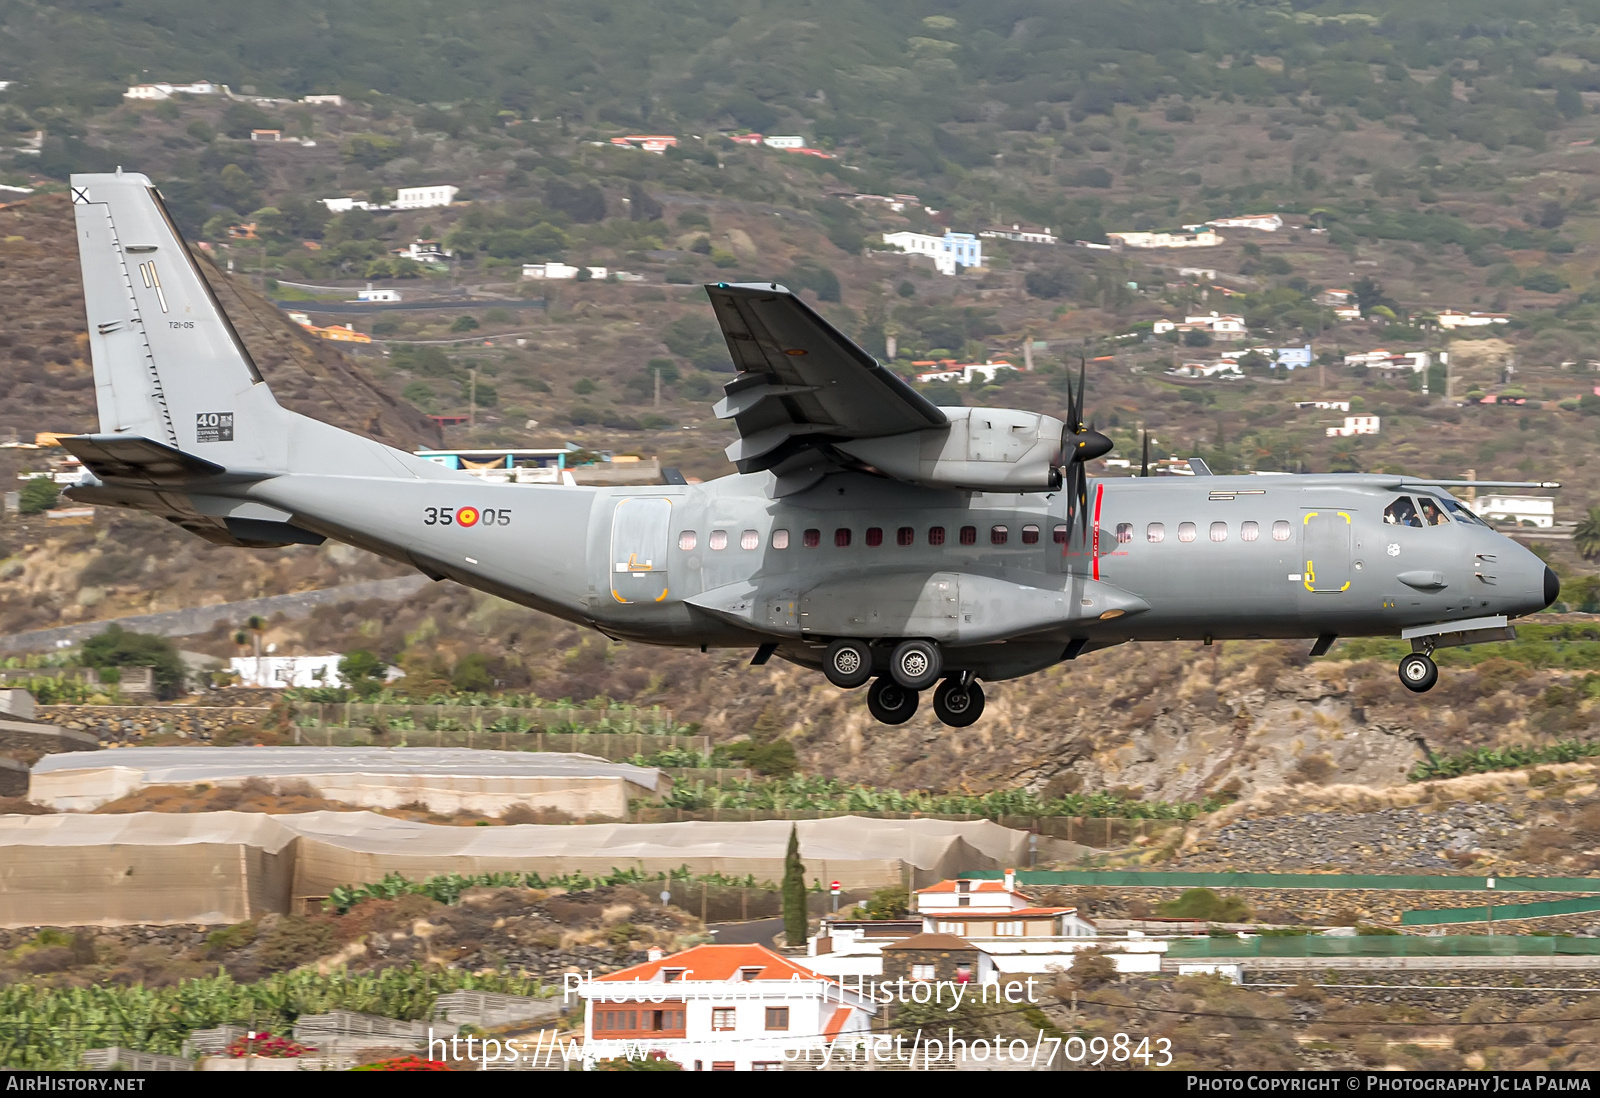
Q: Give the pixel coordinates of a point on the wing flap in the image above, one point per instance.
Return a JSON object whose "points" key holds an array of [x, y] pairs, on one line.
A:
{"points": [[139, 460]]}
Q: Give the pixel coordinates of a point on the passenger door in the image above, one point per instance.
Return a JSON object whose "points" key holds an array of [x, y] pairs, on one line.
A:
{"points": [[1326, 536], [641, 532]]}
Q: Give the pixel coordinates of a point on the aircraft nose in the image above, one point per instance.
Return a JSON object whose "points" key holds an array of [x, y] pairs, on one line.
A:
{"points": [[1552, 586]]}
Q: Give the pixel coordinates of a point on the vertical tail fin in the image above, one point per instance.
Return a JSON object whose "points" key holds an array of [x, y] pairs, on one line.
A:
{"points": [[168, 364]]}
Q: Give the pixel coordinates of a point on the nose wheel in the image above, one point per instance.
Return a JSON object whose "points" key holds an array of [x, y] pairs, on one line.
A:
{"points": [[891, 703], [956, 705], [1418, 672]]}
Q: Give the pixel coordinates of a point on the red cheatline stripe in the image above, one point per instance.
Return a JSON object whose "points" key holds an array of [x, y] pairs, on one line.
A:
{"points": [[1099, 494]]}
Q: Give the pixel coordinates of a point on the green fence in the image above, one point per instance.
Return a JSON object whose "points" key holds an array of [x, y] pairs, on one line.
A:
{"points": [[1432, 916], [1122, 878], [1383, 945]]}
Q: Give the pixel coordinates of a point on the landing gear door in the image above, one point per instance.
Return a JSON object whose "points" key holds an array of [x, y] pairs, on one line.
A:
{"points": [[641, 531], [1325, 541]]}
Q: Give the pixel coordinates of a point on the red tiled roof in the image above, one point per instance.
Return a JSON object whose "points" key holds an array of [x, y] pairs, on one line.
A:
{"points": [[836, 1023], [718, 962], [972, 886], [999, 913]]}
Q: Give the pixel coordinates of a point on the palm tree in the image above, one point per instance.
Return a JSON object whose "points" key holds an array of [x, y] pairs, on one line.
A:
{"points": [[1586, 537]]}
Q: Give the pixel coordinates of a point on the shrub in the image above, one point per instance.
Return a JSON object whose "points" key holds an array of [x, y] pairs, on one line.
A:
{"points": [[38, 495], [117, 647], [1202, 903]]}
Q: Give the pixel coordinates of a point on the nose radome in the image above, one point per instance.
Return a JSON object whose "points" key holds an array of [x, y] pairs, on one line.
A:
{"points": [[1552, 586]]}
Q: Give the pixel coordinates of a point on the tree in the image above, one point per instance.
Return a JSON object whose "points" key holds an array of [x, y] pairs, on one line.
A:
{"points": [[641, 206], [117, 647], [38, 495], [794, 891], [1586, 537], [1197, 337], [362, 673], [472, 674]]}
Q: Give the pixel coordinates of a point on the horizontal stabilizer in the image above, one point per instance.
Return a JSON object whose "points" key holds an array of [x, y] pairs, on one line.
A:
{"points": [[140, 460]]}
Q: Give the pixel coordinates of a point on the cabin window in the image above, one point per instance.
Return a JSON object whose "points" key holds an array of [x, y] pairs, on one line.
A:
{"points": [[1249, 531], [906, 535], [749, 540], [997, 535], [777, 1017], [1155, 532], [1402, 512], [874, 536], [936, 535], [969, 535], [1124, 533], [841, 537], [719, 539], [1461, 514], [811, 539], [687, 540], [1219, 531], [1058, 534], [780, 539], [1030, 535], [1280, 530], [1431, 512], [1187, 531]]}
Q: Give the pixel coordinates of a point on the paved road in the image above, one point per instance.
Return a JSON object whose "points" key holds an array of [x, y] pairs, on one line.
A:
{"points": [[199, 619], [754, 932]]}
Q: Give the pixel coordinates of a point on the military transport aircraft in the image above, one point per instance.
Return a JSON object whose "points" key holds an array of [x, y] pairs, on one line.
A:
{"points": [[867, 533]]}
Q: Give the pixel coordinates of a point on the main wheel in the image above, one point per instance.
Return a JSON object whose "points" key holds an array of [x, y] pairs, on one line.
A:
{"points": [[890, 702], [847, 663], [1418, 673], [955, 706], [916, 664]]}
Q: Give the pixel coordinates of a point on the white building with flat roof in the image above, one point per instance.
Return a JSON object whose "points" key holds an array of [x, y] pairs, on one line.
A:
{"points": [[1539, 511], [949, 252], [421, 198], [1355, 425], [784, 142]]}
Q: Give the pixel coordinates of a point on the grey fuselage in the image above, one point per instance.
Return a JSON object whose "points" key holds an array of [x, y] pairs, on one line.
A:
{"points": [[709, 564]]}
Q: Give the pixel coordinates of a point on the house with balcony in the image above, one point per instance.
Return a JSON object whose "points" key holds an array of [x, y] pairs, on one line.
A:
{"points": [[995, 909], [719, 1008], [950, 252], [1222, 327]]}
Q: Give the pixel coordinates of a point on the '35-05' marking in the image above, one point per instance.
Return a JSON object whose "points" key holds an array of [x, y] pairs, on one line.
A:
{"points": [[465, 516]]}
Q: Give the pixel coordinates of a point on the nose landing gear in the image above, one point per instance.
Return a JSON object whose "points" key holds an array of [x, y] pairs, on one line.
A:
{"points": [[1418, 672]]}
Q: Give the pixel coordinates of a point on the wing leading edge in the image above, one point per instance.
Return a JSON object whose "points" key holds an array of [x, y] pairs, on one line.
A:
{"points": [[802, 385]]}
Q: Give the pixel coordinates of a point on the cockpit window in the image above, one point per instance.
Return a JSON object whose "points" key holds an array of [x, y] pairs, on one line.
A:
{"points": [[1460, 513], [1432, 514], [1402, 512]]}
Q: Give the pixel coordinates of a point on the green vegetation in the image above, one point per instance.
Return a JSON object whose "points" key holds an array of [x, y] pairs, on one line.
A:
{"points": [[819, 794], [49, 1027], [38, 495], [447, 889], [1482, 760], [794, 891], [117, 648], [1203, 903]]}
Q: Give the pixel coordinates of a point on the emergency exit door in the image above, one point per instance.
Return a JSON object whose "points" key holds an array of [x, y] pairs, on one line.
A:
{"points": [[1325, 539], [641, 531]]}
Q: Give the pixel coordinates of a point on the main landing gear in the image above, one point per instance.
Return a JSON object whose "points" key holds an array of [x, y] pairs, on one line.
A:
{"points": [[911, 667], [1418, 672]]}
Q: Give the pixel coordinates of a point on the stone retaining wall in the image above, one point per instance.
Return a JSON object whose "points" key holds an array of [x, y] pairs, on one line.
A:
{"points": [[125, 725]]}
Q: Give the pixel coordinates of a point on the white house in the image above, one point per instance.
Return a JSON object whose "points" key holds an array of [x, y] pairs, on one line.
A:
{"points": [[963, 373], [1450, 319], [1355, 425], [167, 91], [1290, 358], [649, 142], [1537, 511], [994, 909], [323, 100], [1204, 239], [1324, 405], [948, 252], [280, 672], [1267, 223], [425, 251], [1224, 327], [344, 205], [421, 198], [719, 1008], [1025, 235], [784, 142], [1415, 361], [1224, 369], [555, 270], [370, 294]]}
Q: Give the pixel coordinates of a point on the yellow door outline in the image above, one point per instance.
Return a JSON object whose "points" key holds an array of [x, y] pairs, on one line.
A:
{"points": [[1309, 576]]}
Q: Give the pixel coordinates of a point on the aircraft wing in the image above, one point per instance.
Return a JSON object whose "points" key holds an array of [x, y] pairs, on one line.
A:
{"points": [[802, 384]]}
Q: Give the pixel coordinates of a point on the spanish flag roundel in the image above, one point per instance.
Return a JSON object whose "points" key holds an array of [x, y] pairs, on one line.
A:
{"points": [[467, 516]]}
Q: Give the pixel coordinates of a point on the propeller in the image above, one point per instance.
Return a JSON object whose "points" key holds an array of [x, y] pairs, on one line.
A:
{"points": [[1080, 444]]}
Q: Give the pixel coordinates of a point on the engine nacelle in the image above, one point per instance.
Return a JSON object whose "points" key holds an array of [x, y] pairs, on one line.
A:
{"points": [[980, 449]]}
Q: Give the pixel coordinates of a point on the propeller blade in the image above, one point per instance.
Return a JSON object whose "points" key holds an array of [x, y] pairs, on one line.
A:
{"points": [[1082, 475], [1144, 468], [1077, 406]]}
